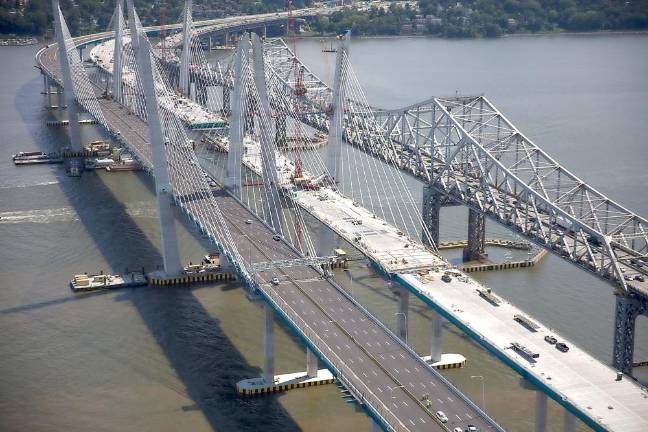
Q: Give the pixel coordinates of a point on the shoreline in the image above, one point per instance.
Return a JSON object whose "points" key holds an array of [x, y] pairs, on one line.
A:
{"points": [[504, 36]]}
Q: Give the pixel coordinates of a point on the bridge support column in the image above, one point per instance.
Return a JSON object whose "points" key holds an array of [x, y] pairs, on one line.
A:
{"points": [[264, 34], [374, 427], [311, 364], [234, 156], [402, 315], [569, 423], [628, 308], [336, 127], [163, 188], [436, 349], [541, 411], [476, 236], [432, 203], [268, 344]]}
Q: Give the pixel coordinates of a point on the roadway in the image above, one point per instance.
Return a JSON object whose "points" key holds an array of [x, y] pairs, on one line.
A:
{"points": [[382, 372]]}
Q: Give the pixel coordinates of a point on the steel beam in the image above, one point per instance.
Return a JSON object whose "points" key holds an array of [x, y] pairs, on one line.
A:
{"points": [[628, 308], [163, 189], [234, 156]]}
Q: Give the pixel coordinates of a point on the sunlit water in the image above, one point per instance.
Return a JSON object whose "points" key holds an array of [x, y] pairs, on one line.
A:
{"points": [[168, 359]]}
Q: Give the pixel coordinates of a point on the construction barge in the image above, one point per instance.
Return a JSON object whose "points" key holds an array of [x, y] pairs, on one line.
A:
{"points": [[86, 283], [36, 157]]}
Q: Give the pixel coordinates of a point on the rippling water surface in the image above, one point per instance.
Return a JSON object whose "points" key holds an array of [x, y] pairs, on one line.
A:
{"points": [[167, 359]]}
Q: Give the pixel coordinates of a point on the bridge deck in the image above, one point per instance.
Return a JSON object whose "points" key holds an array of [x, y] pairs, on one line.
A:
{"points": [[388, 377]]}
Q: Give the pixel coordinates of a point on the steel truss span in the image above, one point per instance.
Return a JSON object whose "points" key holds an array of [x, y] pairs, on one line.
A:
{"points": [[467, 150]]}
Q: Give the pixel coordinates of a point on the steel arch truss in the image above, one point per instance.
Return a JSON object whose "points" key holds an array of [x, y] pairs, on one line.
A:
{"points": [[465, 148]]}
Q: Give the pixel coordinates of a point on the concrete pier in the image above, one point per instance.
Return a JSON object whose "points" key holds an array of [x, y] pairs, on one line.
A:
{"points": [[311, 364], [541, 411], [268, 345], [569, 424], [437, 337], [403, 313]]}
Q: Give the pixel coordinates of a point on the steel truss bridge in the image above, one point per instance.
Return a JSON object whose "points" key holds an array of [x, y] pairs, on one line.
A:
{"points": [[461, 147]]}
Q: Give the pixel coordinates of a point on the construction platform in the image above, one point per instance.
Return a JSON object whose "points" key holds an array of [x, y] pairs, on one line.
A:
{"points": [[255, 386]]}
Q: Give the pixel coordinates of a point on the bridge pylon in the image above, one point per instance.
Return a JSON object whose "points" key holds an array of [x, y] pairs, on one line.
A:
{"points": [[163, 189], [74, 165], [334, 153], [185, 56], [117, 54], [235, 153]]}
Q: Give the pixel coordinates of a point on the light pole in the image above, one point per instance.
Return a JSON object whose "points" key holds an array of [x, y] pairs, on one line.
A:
{"points": [[483, 394], [406, 327]]}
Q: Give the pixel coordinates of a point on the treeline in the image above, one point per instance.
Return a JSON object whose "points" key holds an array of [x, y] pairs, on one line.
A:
{"points": [[489, 18], [88, 16]]}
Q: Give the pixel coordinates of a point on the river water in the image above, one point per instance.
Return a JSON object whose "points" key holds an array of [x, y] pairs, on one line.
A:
{"points": [[168, 359]]}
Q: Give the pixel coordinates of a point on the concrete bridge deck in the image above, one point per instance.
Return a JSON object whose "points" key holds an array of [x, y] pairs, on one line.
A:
{"points": [[401, 257], [382, 373]]}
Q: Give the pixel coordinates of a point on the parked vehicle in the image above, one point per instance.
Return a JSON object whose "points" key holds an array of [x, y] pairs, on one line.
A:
{"points": [[550, 339], [562, 347], [442, 417]]}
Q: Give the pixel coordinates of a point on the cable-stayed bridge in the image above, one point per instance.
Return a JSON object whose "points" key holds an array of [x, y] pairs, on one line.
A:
{"points": [[270, 96]]}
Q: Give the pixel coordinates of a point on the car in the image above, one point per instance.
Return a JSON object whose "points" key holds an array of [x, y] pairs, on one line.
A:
{"points": [[472, 428], [442, 417], [248, 222], [276, 237], [457, 429], [275, 281], [562, 347], [640, 278], [550, 339], [446, 278]]}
